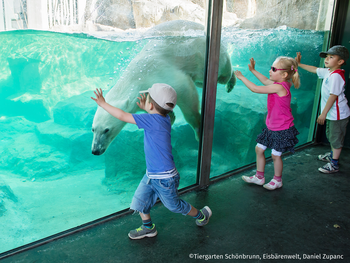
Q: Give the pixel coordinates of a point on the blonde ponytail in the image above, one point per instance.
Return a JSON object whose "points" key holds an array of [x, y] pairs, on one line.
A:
{"points": [[291, 67], [296, 79]]}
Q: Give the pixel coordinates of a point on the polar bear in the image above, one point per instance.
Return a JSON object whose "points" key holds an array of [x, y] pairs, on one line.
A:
{"points": [[175, 59]]}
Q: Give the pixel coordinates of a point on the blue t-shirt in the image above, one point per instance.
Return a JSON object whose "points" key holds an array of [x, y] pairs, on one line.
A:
{"points": [[157, 144]]}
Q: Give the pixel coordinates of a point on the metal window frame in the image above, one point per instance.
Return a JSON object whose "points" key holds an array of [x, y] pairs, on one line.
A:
{"points": [[214, 24]]}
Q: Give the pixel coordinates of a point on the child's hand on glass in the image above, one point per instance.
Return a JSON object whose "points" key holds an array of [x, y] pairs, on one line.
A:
{"points": [[251, 66], [142, 101], [238, 74], [298, 57], [99, 97]]}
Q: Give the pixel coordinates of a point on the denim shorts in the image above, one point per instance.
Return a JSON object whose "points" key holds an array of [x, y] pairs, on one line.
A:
{"points": [[149, 190]]}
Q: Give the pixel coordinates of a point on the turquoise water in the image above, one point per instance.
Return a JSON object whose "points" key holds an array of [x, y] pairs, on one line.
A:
{"points": [[50, 181]]}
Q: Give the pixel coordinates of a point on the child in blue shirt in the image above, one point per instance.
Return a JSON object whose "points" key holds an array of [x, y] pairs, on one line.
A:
{"points": [[161, 179]]}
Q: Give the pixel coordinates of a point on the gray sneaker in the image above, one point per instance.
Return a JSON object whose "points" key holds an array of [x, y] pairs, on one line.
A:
{"points": [[327, 157], [207, 214], [142, 232], [329, 168]]}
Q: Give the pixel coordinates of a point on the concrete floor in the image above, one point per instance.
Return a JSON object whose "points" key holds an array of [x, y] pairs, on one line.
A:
{"points": [[309, 217]]}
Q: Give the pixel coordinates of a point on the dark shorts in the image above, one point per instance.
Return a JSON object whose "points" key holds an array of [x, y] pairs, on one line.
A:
{"points": [[336, 131], [281, 141]]}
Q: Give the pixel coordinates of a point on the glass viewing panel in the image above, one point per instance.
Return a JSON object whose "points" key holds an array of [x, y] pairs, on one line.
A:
{"points": [[264, 31], [54, 54]]}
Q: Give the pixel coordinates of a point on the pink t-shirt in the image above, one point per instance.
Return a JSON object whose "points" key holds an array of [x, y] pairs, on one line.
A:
{"points": [[279, 113]]}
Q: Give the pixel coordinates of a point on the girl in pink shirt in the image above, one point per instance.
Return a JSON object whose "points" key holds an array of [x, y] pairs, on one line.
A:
{"points": [[280, 134]]}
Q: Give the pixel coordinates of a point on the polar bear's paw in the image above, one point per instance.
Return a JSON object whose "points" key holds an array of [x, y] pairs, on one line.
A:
{"points": [[230, 85]]}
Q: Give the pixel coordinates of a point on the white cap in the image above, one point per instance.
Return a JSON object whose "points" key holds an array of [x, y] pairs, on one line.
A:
{"points": [[162, 94]]}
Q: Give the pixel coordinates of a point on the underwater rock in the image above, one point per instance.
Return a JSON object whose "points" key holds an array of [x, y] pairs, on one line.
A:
{"points": [[21, 91], [185, 147], [77, 111], [6, 193], [30, 158], [25, 74], [73, 142], [2, 208], [11, 127], [239, 122], [31, 106], [303, 107]]}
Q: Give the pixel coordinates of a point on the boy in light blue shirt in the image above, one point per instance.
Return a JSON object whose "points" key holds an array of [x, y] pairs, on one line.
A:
{"points": [[161, 179]]}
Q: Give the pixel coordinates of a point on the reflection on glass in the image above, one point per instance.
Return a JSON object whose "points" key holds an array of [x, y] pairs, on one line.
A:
{"points": [[49, 179], [240, 117]]}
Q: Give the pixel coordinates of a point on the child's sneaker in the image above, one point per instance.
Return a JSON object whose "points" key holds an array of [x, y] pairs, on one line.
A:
{"points": [[273, 184], [327, 157], [329, 168], [207, 214], [142, 232], [254, 180]]}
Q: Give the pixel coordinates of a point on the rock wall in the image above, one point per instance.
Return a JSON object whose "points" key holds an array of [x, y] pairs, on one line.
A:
{"points": [[310, 15], [252, 14], [114, 13]]}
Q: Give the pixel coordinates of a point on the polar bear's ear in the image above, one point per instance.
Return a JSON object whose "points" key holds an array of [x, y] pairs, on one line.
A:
{"points": [[172, 117]]}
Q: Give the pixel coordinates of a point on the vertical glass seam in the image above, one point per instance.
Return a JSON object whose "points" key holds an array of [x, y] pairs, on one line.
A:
{"points": [[209, 95], [206, 62]]}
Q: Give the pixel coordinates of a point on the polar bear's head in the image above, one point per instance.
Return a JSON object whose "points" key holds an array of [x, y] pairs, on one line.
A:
{"points": [[105, 128]]}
